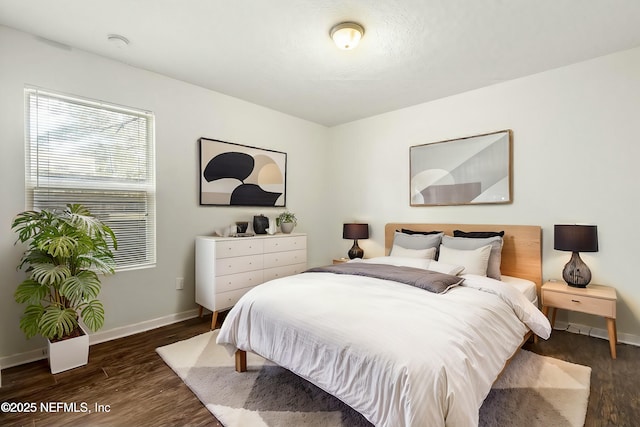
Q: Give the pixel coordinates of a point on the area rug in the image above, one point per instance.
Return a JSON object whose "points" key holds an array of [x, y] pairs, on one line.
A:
{"points": [[533, 390]]}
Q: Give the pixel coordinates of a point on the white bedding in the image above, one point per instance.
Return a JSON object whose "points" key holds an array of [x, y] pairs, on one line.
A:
{"points": [[399, 355], [527, 287]]}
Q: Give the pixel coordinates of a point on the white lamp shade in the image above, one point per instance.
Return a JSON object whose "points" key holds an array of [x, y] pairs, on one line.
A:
{"points": [[347, 35]]}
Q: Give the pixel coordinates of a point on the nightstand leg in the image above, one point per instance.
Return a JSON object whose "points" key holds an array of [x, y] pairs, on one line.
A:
{"points": [[613, 336], [545, 311]]}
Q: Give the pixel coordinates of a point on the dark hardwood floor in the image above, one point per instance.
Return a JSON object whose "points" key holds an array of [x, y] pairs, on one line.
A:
{"points": [[136, 388]]}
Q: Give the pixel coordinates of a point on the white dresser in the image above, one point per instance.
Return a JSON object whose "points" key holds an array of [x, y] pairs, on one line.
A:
{"points": [[227, 267]]}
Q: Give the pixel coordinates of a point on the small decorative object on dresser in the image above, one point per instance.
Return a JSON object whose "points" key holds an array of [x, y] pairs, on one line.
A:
{"points": [[227, 267], [576, 238], [287, 221], [596, 299], [260, 224], [355, 232]]}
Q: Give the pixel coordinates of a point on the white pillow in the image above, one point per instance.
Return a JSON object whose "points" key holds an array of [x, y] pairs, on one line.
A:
{"points": [[441, 267], [400, 261], [399, 251], [474, 261], [417, 241]]}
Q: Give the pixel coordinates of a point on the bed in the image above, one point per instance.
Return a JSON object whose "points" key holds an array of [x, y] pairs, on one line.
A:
{"points": [[399, 354]]}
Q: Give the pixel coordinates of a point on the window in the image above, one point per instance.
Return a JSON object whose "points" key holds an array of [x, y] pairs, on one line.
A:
{"points": [[99, 155]]}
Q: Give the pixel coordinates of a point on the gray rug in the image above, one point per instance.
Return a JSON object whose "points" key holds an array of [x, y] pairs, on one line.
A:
{"points": [[534, 390]]}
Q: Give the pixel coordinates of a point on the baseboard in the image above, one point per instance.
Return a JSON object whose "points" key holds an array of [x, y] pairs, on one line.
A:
{"points": [[577, 328], [101, 336], [125, 331]]}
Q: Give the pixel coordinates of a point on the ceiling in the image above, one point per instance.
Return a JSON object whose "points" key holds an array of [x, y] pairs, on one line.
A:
{"points": [[278, 53]]}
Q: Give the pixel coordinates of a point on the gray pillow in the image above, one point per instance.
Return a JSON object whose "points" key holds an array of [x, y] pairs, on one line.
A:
{"points": [[417, 241], [467, 243]]}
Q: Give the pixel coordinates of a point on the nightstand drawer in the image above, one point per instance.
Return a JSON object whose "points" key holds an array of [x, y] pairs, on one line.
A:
{"points": [[581, 303]]}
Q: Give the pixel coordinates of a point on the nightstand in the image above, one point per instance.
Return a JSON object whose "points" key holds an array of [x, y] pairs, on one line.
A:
{"points": [[594, 299]]}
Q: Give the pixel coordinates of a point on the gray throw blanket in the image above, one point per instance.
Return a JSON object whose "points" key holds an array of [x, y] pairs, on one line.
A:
{"points": [[424, 279]]}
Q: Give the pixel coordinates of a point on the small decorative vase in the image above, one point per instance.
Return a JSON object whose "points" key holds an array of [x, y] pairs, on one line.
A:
{"points": [[242, 226], [287, 227], [260, 224]]}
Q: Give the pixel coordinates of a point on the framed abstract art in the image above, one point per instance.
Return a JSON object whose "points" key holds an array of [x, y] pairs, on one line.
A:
{"points": [[239, 175], [463, 171]]}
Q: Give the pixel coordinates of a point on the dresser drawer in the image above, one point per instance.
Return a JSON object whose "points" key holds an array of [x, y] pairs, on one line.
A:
{"points": [[287, 270], [581, 303], [279, 244], [279, 259], [239, 264], [226, 300], [232, 282], [238, 247]]}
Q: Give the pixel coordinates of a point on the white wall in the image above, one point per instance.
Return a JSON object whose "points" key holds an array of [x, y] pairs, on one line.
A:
{"points": [[184, 113], [576, 152]]}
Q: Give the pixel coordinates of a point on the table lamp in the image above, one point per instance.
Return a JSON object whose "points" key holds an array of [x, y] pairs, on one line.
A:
{"points": [[576, 238], [355, 232]]}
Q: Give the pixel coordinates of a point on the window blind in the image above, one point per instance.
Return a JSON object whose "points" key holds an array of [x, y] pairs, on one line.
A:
{"points": [[99, 155]]}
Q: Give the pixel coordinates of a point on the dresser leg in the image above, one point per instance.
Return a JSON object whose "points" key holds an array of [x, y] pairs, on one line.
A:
{"points": [[214, 319], [613, 336]]}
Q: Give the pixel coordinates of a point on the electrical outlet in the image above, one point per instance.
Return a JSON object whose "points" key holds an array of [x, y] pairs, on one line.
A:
{"points": [[45, 352], [179, 282]]}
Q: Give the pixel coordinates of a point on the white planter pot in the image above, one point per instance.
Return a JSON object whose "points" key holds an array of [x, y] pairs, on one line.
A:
{"points": [[287, 227], [68, 354]]}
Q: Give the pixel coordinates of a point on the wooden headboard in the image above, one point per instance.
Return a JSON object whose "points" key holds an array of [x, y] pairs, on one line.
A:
{"points": [[521, 252]]}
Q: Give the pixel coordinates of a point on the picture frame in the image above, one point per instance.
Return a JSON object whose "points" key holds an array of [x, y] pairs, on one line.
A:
{"points": [[240, 175], [463, 171]]}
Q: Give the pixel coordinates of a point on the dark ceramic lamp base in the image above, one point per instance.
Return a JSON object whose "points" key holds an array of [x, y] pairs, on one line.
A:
{"points": [[356, 251], [576, 273]]}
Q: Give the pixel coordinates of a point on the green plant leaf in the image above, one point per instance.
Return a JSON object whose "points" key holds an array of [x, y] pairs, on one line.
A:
{"points": [[30, 292], [99, 261], [83, 285], [93, 315], [35, 256], [50, 274], [57, 322], [26, 225], [30, 320], [60, 246]]}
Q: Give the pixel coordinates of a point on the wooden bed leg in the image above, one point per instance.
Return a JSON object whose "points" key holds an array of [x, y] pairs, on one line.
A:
{"points": [[214, 319], [200, 312], [241, 361]]}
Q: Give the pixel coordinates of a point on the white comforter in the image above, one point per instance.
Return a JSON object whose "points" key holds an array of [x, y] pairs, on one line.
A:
{"points": [[399, 355]]}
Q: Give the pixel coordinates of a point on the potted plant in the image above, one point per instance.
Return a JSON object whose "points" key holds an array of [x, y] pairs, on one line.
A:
{"points": [[286, 220], [67, 248]]}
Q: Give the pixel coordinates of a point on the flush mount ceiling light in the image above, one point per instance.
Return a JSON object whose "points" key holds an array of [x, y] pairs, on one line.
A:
{"points": [[117, 40], [347, 35]]}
